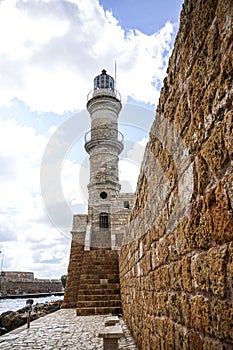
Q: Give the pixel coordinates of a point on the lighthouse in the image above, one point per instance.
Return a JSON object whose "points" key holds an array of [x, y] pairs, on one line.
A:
{"points": [[98, 235], [108, 208], [103, 143]]}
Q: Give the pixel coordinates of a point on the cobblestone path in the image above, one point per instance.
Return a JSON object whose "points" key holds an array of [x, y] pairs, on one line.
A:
{"points": [[63, 330]]}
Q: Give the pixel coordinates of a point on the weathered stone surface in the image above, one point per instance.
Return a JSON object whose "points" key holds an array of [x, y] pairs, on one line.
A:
{"points": [[220, 211], [73, 277], [176, 268], [94, 281], [211, 344], [63, 330], [229, 277]]}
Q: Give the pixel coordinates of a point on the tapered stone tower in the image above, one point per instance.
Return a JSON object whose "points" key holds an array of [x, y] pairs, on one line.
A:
{"points": [[97, 236], [104, 143]]}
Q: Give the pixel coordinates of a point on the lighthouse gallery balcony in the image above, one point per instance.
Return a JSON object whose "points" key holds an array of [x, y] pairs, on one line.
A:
{"points": [[115, 137], [104, 92]]}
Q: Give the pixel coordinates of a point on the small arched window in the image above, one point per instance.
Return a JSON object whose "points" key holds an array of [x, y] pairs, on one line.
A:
{"points": [[104, 224]]}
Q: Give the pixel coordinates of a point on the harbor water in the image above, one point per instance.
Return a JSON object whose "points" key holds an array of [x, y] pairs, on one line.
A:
{"points": [[18, 303]]}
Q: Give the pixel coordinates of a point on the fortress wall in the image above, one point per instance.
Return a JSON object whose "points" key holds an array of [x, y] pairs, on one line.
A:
{"points": [[13, 283], [176, 269], [17, 276], [14, 288]]}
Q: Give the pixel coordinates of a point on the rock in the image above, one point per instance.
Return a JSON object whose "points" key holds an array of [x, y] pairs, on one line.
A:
{"points": [[3, 330], [47, 308], [5, 313], [11, 320]]}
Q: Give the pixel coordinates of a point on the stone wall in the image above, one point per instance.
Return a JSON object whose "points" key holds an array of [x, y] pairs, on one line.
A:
{"points": [[177, 265], [74, 272], [13, 283], [17, 276], [120, 211]]}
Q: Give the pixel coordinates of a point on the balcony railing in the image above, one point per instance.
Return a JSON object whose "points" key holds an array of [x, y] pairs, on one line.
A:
{"points": [[104, 134], [103, 92]]}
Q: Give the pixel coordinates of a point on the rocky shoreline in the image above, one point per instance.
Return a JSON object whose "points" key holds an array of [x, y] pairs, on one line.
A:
{"points": [[11, 320]]}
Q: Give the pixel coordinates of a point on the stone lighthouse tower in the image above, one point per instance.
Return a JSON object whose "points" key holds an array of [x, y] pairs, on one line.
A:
{"points": [[93, 281], [104, 143]]}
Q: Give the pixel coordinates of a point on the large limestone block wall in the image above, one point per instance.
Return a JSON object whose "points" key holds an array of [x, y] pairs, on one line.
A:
{"points": [[74, 270], [176, 269]]}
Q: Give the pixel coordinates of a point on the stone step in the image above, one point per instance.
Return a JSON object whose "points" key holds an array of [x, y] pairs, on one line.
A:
{"points": [[99, 303], [101, 275], [87, 311], [98, 273], [100, 281], [90, 268], [99, 291], [90, 286], [97, 267], [99, 288], [98, 254], [101, 252], [98, 263], [97, 281], [99, 259], [97, 297]]}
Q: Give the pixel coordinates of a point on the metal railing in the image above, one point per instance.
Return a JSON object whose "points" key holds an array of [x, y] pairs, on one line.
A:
{"points": [[104, 134], [103, 92]]}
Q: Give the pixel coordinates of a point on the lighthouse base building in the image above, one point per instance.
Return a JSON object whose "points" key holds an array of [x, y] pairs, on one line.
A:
{"points": [[93, 273]]}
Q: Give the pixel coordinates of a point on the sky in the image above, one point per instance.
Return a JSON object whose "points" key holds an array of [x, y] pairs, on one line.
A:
{"points": [[50, 52]]}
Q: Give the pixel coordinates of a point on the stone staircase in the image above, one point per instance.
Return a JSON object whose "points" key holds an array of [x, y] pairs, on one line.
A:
{"points": [[99, 289]]}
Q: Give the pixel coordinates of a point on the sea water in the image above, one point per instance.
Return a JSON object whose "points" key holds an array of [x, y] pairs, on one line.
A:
{"points": [[16, 304]]}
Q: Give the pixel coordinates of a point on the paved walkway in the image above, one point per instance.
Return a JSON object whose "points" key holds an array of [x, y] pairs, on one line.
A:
{"points": [[63, 330]]}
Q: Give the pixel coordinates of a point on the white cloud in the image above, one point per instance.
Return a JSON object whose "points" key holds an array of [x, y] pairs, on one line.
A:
{"points": [[74, 181], [52, 129], [22, 216], [47, 257], [51, 50]]}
